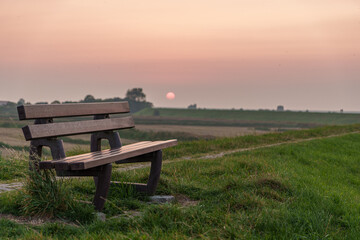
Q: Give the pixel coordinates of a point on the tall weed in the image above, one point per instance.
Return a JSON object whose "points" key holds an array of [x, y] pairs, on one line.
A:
{"points": [[45, 195]]}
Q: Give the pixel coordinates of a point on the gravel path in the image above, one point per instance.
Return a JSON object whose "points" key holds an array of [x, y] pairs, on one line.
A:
{"points": [[5, 187]]}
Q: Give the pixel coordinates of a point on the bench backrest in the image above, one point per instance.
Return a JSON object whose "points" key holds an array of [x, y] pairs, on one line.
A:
{"points": [[44, 126]]}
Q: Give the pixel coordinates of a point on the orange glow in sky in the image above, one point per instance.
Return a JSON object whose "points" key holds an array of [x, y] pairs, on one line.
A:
{"points": [[301, 54]]}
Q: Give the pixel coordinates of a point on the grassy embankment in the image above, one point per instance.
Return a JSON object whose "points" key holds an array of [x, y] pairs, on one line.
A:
{"points": [[307, 190]]}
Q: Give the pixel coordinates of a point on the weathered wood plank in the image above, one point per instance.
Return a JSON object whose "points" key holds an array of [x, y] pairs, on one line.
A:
{"points": [[127, 148], [64, 163], [104, 153], [46, 164], [155, 146], [67, 110], [72, 128]]}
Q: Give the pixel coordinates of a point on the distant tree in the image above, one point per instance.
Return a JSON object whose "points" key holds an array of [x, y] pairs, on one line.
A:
{"points": [[21, 102], [114, 99], [136, 94], [56, 102], [137, 106], [135, 97], [280, 108], [89, 98], [10, 104], [42, 103], [192, 106]]}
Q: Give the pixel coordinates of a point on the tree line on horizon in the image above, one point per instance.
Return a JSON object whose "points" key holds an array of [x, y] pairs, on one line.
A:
{"points": [[135, 97]]}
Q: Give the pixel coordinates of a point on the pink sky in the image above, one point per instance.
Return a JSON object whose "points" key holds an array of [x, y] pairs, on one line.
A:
{"points": [[216, 53]]}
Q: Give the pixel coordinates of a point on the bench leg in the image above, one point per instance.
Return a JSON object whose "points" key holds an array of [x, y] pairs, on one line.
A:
{"points": [[102, 182], [155, 171], [154, 177]]}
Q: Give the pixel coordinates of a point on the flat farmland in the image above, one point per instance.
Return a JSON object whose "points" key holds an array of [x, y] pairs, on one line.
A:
{"points": [[255, 117], [13, 137], [203, 131]]}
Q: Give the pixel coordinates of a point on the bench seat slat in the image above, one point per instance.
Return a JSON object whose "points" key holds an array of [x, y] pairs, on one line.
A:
{"points": [[71, 110], [115, 152], [87, 161], [79, 127], [123, 155], [96, 155], [63, 164]]}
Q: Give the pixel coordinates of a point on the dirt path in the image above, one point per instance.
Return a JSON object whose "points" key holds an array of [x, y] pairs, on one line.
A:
{"points": [[221, 154], [34, 221], [4, 187]]}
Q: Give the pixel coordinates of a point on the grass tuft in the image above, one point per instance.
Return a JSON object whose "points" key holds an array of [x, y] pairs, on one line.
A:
{"points": [[13, 166], [44, 195], [271, 183]]}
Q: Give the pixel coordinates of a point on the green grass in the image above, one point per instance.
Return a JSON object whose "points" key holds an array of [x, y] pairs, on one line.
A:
{"points": [[11, 124], [13, 167], [17, 148], [253, 116], [308, 190], [8, 111], [223, 144]]}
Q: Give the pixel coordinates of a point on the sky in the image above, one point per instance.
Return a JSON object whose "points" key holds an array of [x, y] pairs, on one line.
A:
{"points": [[247, 54]]}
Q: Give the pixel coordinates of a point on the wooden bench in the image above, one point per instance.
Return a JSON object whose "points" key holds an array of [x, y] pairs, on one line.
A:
{"points": [[98, 163]]}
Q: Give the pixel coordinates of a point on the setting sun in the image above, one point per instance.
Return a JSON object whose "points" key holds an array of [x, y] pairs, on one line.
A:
{"points": [[170, 95]]}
